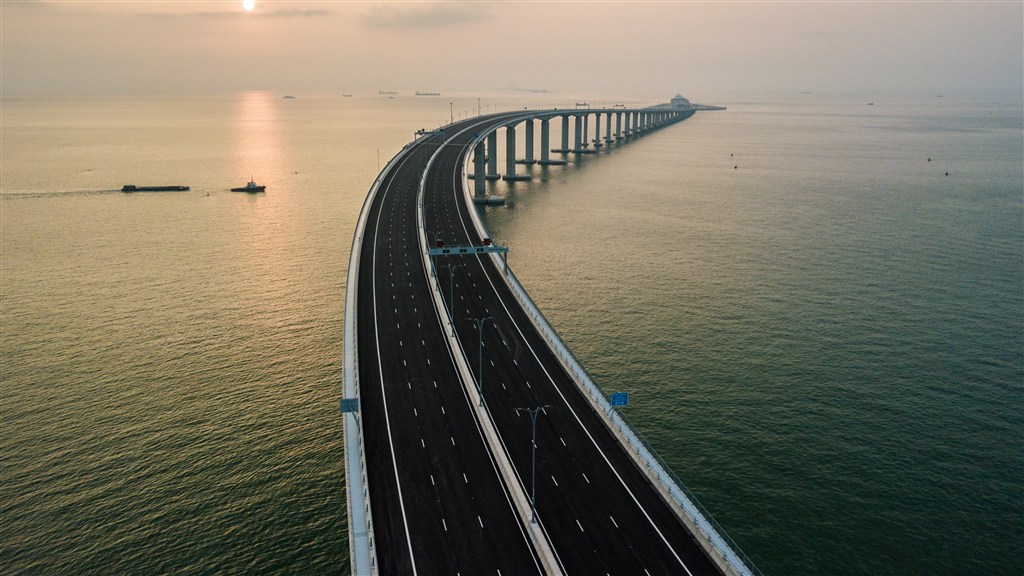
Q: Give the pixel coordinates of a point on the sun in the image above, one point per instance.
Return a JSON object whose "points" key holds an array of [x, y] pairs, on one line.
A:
{"points": [[248, 5]]}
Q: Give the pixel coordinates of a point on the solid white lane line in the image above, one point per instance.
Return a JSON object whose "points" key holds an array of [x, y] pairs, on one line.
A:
{"points": [[558, 389], [613, 520], [387, 417], [580, 525], [585, 478]]}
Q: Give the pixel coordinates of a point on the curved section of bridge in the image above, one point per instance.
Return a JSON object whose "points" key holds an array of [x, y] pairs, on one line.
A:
{"points": [[475, 442]]}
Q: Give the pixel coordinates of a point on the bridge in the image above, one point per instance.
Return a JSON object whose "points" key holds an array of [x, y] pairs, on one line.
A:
{"points": [[475, 441]]}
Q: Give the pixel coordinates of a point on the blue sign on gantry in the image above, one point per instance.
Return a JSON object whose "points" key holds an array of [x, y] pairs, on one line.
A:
{"points": [[620, 398]]}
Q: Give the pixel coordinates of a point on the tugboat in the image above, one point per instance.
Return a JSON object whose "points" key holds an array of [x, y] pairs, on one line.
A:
{"points": [[251, 187]]}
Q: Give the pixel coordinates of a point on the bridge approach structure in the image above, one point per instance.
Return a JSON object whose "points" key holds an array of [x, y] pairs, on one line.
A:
{"points": [[444, 358]]}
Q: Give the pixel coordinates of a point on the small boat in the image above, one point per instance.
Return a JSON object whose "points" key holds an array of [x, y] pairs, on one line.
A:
{"points": [[288, 97], [134, 188], [250, 187]]}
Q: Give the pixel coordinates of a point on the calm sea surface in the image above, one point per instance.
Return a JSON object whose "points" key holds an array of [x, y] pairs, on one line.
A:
{"points": [[822, 333]]}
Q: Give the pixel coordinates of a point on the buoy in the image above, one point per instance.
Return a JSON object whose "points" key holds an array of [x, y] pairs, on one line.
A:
{"points": [[929, 159], [736, 167], [947, 173]]}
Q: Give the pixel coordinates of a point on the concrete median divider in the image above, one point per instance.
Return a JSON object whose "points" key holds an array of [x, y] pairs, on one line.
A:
{"points": [[515, 488]]}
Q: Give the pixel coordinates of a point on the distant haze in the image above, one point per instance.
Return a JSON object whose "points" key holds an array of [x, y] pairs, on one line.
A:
{"points": [[58, 48]]}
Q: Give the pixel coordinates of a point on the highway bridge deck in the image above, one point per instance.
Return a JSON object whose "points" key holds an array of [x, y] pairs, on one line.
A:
{"points": [[439, 503]]}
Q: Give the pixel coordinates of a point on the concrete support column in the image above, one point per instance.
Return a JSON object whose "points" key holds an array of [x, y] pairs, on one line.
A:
{"points": [[492, 156], [586, 131], [578, 124], [597, 130], [608, 128], [529, 143], [510, 151], [479, 180], [618, 126], [545, 137], [565, 134], [510, 156]]}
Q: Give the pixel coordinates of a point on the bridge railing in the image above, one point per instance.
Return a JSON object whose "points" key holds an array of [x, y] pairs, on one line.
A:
{"points": [[726, 553], [361, 541], [670, 484]]}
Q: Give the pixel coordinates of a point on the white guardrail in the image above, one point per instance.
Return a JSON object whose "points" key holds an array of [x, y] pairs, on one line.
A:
{"points": [[713, 538], [362, 551]]}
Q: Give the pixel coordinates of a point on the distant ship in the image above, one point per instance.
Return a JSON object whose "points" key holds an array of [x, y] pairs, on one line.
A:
{"points": [[386, 92], [134, 188], [250, 187], [346, 95], [288, 97], [418, 93]]}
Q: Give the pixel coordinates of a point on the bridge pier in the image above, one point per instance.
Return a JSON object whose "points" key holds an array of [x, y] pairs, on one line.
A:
{"points": [[479, 179], [528, 160], [564, 120], [510, 156], [545, 137], [492, 157], [578, 129], [608, 129], [618, 126], [597, 131]]}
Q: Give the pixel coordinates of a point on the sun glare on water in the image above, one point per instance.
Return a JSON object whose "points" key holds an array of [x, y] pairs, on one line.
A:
{"points": [[248, 4]]}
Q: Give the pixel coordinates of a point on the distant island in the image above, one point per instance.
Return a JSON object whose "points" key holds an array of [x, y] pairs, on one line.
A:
{"points": [[531, 90]]}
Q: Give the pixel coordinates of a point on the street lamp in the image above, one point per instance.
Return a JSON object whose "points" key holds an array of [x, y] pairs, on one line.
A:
{"points": [[480, 375], [533, 465], [451, 113], [451, 292]]}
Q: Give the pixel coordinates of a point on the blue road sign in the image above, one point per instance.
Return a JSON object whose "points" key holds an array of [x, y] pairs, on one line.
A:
{"points": [[620, 398]]}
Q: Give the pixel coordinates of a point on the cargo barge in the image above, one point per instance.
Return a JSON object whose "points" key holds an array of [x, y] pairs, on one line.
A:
{"points": [[134, 188]]}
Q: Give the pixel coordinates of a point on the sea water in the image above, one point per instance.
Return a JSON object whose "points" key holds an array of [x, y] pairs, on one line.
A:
{"points": [[820, 330]]}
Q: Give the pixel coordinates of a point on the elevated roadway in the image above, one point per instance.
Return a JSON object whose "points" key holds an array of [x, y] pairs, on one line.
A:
{"points": [[448, 476]]}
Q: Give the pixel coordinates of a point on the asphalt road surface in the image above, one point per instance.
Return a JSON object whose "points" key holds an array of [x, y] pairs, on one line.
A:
{"points": [[438, 504]]}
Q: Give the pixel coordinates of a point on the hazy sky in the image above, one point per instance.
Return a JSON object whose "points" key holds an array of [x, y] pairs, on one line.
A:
{"points": [[618, 47]]}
